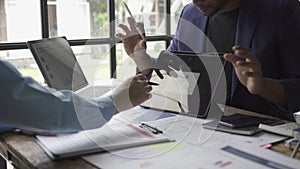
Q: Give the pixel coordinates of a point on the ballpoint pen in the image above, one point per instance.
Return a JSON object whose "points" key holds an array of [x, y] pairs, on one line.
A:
{"points": [[149, 82], [152, 83], [180, 106], [154, 130], [134, 21]]}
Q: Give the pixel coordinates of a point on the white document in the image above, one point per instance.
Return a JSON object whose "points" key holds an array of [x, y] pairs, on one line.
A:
{"points": [[106, 138], [194, 148], [235, 156]]}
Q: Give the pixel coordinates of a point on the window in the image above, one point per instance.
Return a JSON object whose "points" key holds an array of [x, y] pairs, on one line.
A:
{"points": [[20, 20], [78, 19], [89, 25]]}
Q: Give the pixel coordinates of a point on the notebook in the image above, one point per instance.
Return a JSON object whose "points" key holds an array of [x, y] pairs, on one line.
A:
{"points": [[106, 138], [191, 89], [61, 69]]}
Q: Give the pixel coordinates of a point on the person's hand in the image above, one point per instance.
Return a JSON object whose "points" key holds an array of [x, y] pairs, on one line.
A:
{"points": [[135, 46], [247, 68], [131, 92], [132, 40]]}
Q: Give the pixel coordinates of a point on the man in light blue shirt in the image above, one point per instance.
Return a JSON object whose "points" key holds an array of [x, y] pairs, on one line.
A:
{"points": [[29, 106]]}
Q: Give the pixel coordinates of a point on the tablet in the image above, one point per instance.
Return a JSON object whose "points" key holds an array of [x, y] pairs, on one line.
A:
{"points": [[190, 83]]}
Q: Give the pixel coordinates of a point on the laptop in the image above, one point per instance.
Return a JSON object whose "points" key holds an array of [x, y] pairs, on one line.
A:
{"points": [[192, 88], [60, 68]]}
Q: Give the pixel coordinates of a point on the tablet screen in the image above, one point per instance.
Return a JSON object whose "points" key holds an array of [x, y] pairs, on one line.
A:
{"points": [[173, 93], [189, 83], [58, 63]]}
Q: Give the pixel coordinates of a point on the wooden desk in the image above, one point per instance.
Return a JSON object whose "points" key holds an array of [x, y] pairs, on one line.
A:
{"points": [[25, 153], [278, 147]]}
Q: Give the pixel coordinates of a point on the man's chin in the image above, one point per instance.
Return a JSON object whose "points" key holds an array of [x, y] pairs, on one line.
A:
{"points": [[207, 12]]}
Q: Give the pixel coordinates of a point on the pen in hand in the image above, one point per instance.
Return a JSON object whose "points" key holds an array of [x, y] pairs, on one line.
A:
{"points": [[152, 83], [149, 82], [135, 23]]}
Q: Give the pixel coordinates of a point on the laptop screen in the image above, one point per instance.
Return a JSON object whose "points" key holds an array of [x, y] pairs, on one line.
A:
{"points": [[190, 85], [58, 63]]}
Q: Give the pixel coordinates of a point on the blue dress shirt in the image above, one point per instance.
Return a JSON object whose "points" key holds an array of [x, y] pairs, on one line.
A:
{"points": [[27, 105]]}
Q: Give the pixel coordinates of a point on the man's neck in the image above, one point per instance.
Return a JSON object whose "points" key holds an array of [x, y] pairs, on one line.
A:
{"points": [[230, 5]]}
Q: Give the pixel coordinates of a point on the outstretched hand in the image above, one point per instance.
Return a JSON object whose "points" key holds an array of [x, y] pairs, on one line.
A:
{"points": [[135, 46], [132, 40]]}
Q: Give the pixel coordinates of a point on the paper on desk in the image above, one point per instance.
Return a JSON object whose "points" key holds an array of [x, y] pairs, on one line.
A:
{"points": [[190, 130], [194, 147], [191, 138], [139, 114], [225, 155]]}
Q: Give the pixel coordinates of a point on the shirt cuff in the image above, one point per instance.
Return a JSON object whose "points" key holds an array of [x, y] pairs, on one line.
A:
{"points": [[143, 60], [107, 107]]}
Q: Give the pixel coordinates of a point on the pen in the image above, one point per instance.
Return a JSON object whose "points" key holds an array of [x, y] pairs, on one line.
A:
{"points": [[137, 28], [152, 83], [180, 106], [153, 129]]}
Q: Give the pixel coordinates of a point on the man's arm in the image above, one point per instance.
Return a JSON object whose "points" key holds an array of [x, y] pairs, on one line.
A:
{"points": [[283, 91], [249, 73], [27, 105]]}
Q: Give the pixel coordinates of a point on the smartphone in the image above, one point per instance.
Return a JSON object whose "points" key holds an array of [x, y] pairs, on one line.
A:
{"points": [[240, 120]]}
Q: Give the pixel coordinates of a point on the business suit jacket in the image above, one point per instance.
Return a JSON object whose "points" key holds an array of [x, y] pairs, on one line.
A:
{"points": [[271, 28]]}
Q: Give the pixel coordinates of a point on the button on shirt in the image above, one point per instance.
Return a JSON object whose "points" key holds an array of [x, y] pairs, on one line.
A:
{"points": [[27, 105]]}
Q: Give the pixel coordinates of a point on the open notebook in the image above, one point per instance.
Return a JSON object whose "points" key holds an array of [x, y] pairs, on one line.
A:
{"points": [[106, 138]]}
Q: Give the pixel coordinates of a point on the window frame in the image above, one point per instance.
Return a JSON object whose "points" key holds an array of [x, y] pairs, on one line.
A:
{"points": [[111, 40]]}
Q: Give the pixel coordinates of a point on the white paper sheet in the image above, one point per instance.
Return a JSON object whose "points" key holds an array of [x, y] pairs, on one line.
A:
{"points": [[194, 148]]}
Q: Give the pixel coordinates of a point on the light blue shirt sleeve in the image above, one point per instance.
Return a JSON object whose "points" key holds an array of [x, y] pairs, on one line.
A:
{"points": [[27, 105]]}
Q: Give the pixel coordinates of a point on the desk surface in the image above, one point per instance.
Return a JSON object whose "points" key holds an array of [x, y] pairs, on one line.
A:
{"points": [[25, 153]]}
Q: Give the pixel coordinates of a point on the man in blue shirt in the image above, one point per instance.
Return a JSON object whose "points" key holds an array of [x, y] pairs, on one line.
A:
{"points": [[29, 106], [261, 39]]}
